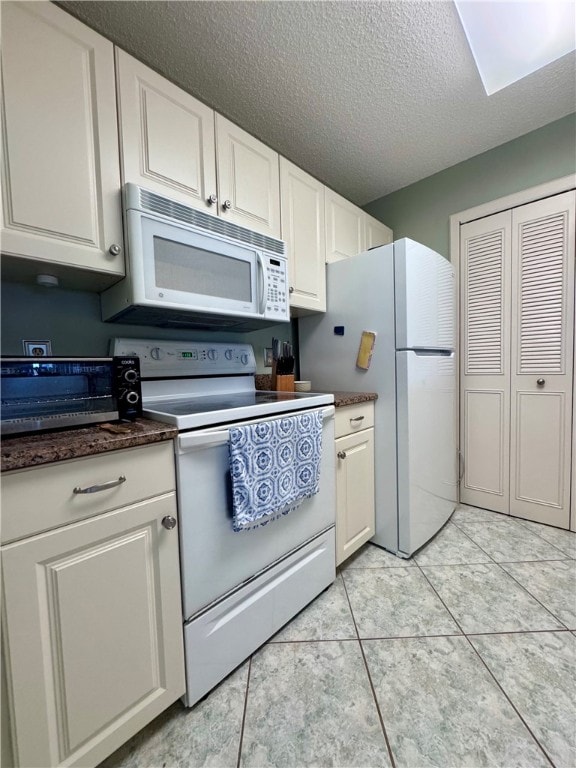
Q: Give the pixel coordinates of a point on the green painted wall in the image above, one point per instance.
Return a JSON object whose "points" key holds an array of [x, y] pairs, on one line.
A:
{"points": [[70, 320], [421, 211]]}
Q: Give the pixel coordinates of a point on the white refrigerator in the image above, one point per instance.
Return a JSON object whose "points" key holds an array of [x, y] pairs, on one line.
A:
{"points": [[404, 293]]}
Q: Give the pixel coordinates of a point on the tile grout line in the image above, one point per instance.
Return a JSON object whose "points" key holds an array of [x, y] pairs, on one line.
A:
{"points": [[511, 562], [240, 744], [530, 593], [546, 755], [373, 690], [519, 520], [475, 543], [508, 699]]}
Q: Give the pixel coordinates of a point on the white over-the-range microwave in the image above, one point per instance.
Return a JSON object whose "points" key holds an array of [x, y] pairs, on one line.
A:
{"points": [[188, 269]]}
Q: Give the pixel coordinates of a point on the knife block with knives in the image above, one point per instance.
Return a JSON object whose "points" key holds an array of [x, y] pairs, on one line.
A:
{"points": [[282, 366]]}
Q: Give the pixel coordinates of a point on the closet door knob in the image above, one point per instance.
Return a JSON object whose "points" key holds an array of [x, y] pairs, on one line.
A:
{"points": [[115, 250], [169, 522], [540, 382], [341, 454]]}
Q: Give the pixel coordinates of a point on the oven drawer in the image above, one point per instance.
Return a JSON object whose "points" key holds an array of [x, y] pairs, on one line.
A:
{"points": [[222, 637], [38, 499]]}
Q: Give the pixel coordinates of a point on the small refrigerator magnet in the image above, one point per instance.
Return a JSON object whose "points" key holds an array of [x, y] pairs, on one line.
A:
{"points": [[365, 350]]}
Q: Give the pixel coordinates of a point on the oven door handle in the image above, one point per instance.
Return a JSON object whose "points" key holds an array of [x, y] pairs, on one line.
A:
{"points": [[193, 441]]}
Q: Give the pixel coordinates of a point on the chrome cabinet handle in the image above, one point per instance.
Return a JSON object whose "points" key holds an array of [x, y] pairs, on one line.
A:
{"points": [[341, 454], [226, 205], [356, 418], [169, 522], [212, 199], [101, 487], [115, 249], [540, 382]]}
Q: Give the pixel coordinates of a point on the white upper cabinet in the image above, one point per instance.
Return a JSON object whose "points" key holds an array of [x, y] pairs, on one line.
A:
{"points": [[248, 179], [60, 175], [166, 135], [302, 206], [345, 228], [173, 144], [376, 232]]}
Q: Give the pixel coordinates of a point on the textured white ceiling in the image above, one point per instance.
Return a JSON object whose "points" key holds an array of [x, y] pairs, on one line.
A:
{"points": [[367, 96]]}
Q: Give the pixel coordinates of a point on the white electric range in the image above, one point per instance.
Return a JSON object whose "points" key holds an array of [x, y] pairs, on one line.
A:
{"points": [[238, 588]]}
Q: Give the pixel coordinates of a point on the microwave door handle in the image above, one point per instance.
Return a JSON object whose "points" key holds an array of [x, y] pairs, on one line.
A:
{"points": [[262, 284]]}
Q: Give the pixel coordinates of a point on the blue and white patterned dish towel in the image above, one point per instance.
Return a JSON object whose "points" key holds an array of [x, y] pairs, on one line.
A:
{"points": [[274, 466]]}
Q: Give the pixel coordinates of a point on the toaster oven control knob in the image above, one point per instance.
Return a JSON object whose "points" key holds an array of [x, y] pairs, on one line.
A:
{"points": [[212, 354], [156, 353], [130, 375], [169, 522], [115, 250], [132, 398]]}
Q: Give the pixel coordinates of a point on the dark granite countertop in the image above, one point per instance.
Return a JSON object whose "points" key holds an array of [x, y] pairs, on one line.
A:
{"points": [[21, 452], [353, 398], [263, 381]]}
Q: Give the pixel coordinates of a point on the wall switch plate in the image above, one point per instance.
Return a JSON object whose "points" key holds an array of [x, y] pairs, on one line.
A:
{"points": [[267, 357]]}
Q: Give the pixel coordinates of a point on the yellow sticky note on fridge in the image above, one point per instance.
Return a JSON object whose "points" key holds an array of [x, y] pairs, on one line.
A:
{"points": [[367, 340]]}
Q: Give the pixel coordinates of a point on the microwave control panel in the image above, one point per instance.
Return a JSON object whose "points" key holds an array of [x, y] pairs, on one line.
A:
{"points": [[277, 295]]}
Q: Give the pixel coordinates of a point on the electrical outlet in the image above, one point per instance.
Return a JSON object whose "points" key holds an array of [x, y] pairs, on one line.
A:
{"points": [[267, 357]]}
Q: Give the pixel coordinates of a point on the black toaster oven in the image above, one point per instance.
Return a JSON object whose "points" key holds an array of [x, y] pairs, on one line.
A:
{"points": [[54, 392]]}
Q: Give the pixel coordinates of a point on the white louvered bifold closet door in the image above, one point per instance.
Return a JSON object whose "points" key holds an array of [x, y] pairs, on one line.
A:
{"points": [[542, 360], [517, 360], [485, 247]]}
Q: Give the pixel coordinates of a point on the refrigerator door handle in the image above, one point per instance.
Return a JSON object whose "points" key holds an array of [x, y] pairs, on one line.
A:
{"points": [[430, 352], [461, 466]]}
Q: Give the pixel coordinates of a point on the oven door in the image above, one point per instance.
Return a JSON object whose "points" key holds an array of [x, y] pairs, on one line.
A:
{"points": [[215, 559]]}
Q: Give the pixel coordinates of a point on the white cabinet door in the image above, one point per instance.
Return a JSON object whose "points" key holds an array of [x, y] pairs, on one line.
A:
{"points": [[60, 175], [355, 511], [542, 359], [93, 633], [167, 136], [517, 342], [485, 362], [248, 179], [345, 228], [302, 208], [376, 232]]}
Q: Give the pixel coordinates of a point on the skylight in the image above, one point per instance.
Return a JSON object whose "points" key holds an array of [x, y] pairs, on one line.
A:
{"points": [[510, 40]]}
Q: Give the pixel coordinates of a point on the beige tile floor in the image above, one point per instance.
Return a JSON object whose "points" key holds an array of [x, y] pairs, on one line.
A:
{"points": [[464, 655]]}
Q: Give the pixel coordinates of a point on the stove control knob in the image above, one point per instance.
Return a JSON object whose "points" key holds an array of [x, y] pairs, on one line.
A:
{"points": [[212, 354], [228, 354], [156, 353], [244, 359]]}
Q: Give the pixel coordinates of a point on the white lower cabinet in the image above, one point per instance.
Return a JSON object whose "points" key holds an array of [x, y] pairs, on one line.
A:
{"points": [[91, 623], [355, 509]]}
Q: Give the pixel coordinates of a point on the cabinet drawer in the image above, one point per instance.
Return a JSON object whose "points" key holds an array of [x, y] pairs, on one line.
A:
{"points": [[38, 499], [353, 418]]}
